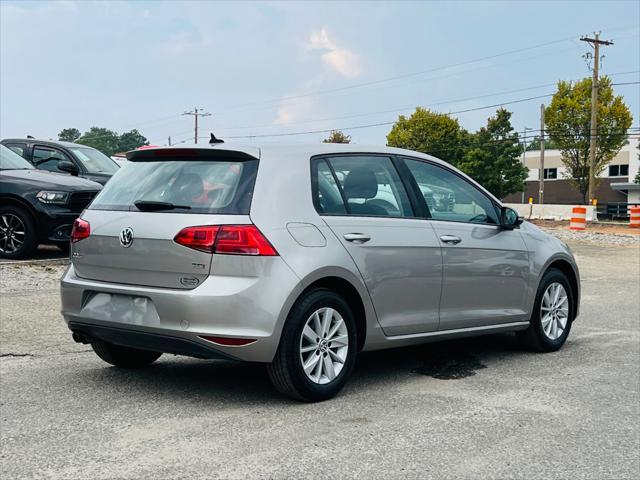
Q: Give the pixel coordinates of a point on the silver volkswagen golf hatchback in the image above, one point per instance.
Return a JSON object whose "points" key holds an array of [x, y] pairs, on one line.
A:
{"points": [[300, 257]]}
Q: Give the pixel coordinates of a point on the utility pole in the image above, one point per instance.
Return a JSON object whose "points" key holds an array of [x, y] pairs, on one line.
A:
{"points": [[541, 176], [595, 44], [196, 113], [524, 153]]}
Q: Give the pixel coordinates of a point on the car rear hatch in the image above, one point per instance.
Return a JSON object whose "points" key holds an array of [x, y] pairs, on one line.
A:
{"points": [[137, 230]]}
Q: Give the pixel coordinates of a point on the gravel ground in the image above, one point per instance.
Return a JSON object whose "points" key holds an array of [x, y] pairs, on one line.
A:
{"points": [[477, 408], [595, 237]]}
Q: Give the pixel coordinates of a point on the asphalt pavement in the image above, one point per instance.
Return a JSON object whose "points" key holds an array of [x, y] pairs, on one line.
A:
{"points": [[480, 408]]}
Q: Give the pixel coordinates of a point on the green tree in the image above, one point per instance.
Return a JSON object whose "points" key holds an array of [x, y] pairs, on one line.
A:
{"points": [[534, 144], [131, 140], [337, 136], [69, 135], [103, 139], [429, 132], [493, 157], [568, 122]]}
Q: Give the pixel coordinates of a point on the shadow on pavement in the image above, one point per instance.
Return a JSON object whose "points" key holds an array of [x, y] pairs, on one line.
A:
{"points": [[214, 381]]}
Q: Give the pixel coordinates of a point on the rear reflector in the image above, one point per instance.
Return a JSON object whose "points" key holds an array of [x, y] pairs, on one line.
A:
{"points": [[229, 341], [226, 239], [81, 229]]}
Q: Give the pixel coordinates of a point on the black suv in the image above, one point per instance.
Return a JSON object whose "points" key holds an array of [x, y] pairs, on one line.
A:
{"points": [[64, 157], [37, 207]]}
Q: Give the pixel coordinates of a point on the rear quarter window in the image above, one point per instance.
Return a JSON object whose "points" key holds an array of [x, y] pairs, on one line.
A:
{"points": [[196, 186]]}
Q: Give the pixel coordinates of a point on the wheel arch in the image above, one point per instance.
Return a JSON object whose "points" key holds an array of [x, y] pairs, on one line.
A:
{"points": [[572, 276], [11, 200]]}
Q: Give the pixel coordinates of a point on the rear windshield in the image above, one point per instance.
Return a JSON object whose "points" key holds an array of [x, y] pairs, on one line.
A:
{"points": [[222, 187]]}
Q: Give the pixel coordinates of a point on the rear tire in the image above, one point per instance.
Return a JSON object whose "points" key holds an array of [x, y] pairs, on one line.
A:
{"points": [[18, 238], [542, 336], [329, 356], [124, 357]]}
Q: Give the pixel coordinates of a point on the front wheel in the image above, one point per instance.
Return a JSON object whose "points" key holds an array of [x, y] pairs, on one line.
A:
{"points": [[124, 357], [552, 314], [17, 233], [317, 349]]}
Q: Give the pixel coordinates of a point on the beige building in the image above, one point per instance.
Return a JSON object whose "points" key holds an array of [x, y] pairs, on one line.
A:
{"points": [[615, 184]]}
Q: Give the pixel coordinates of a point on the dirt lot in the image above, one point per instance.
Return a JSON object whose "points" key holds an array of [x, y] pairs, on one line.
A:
{"points": [[480, 408], [618, 228]]}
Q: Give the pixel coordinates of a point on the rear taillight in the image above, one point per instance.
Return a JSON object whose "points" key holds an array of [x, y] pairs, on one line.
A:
{"points": [[199, 238], [81, 229], [226, 239]]}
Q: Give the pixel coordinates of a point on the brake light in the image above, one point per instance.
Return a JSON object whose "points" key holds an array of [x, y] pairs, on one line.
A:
{"points": [[243, 240], [199, 238], [226, 239], [81, 229]]}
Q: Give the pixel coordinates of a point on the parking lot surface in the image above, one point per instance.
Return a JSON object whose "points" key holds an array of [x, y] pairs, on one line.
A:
{"points": [[479, 408]]}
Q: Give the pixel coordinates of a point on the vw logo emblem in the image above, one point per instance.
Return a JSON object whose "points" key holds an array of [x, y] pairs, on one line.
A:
{"points": [[126, 237]]}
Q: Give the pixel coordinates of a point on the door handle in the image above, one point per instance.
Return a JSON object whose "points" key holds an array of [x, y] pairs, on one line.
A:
{"points": [[450, 239], [356, 237]]}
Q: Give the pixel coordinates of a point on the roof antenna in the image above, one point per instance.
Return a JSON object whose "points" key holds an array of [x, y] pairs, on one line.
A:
{"points": [[215, 140], [29, 136]]}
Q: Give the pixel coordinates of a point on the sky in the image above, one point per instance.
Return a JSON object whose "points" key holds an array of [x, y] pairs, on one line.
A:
{"points": [[271, 68]]}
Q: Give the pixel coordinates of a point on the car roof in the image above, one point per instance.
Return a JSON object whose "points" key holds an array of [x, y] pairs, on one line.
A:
{"points": [[44, 142], [304, 150], [309, 149]]}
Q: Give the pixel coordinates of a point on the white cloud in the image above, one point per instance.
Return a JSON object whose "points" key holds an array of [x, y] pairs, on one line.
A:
{"points": [[337, 58]]}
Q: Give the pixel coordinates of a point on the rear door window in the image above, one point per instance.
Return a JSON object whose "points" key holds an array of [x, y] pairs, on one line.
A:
{"points": [[191, 186], [19, 148], [361, 185]]}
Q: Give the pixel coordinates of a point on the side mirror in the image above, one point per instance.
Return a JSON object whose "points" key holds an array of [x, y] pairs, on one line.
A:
{"points": [[510, 218], [69, 167]]}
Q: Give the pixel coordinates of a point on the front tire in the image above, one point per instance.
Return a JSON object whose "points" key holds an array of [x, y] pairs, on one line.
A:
{"points": [[318, 348], [18, 237], [124, 357], [553, 314]]}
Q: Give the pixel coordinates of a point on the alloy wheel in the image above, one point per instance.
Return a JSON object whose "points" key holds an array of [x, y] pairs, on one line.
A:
{"points": [[324, 345], [12, 233], [554, 311]]}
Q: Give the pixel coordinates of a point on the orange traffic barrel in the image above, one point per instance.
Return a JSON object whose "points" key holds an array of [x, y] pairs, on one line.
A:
{"points": [[634, 217], [578, 218]]}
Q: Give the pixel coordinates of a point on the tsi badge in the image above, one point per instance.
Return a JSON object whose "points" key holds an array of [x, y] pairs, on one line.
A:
{"points": [[126, 237]]}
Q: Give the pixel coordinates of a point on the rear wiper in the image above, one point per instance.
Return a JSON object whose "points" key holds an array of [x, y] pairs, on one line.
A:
{"points": [[149, 206]]}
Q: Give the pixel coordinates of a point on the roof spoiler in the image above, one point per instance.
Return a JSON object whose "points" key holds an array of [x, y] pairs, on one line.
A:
{"points": [[213, 140]]}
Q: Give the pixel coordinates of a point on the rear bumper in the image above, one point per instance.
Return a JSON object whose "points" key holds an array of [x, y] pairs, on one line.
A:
{"points": [[173, 321], [126, 337]]}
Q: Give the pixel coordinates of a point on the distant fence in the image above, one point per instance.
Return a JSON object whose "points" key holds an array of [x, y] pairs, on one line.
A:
{"points": [[614, 210]]}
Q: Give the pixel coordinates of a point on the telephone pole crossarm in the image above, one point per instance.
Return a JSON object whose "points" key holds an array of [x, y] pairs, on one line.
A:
{"points": [[196, 113]]}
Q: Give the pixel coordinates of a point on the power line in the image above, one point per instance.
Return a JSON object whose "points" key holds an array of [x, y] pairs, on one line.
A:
{"points": [[357, 127], [406, 107], [406, 75], [196, 114]]}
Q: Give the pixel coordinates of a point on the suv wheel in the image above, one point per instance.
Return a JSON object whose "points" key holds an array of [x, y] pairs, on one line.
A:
{"points": [[124, 356], [17, 233], [552, 315], [317, 349]]}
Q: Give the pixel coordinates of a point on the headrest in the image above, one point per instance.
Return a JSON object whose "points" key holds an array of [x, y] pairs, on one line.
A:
{"points": [[361, 183], [188, 185]]}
